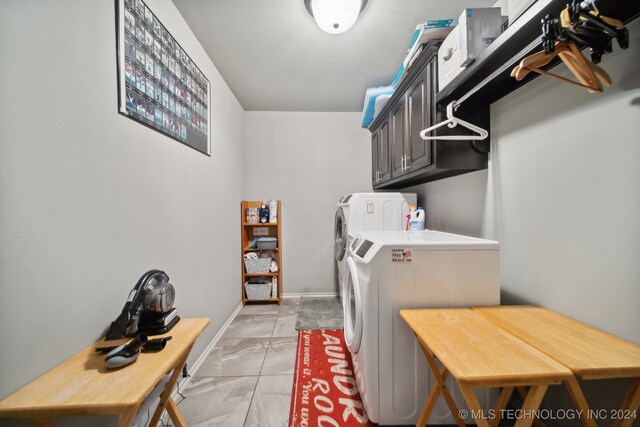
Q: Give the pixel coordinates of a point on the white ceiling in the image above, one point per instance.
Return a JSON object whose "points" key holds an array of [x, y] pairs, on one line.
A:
{"points": [[275, 58]]}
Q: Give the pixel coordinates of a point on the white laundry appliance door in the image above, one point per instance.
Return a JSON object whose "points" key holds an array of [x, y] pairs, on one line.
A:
{"points": [[341, 240], [361, 332], [352, 308], [340, 235]]}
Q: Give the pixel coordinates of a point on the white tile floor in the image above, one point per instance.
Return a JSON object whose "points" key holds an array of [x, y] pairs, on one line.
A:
{"points": [[247, 378]]}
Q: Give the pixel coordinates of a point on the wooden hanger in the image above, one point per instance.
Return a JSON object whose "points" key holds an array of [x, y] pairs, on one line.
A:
{"points": [[541, 59], [584, 70], [578, 64]]}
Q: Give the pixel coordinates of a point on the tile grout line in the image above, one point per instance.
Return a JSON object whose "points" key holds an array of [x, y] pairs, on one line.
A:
{"points": [[246, 416], [244, 423]]}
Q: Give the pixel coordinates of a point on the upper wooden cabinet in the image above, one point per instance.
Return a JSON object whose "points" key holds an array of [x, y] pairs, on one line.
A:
{"points": [[398, 122], [399, 156], [421, 115], [380, 155]]}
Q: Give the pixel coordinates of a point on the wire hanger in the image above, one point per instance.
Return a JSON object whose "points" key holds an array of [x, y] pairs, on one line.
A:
{"points": [[452, 122]]}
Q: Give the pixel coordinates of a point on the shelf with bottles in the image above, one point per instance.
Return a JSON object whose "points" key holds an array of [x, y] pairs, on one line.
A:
{"points": [[253, 230]]}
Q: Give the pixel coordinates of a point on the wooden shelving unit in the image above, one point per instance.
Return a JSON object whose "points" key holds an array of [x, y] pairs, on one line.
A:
{"points": [[248, 232]]}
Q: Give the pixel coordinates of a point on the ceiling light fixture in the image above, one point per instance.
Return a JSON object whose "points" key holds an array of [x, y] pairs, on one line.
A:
{"points": [[335, 16]]}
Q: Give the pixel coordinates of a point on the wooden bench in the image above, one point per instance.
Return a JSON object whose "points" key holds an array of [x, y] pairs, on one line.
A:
{"points": [[82, 385], [588, 352], [480, 354]]}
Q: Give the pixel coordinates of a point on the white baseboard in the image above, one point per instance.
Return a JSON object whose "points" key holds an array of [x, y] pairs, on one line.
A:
{"points": [[310, 294], [194, 368], [196, 365]]}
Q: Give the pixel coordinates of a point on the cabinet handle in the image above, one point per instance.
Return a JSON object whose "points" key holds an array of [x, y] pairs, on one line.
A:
{"points": [[405, 163]]}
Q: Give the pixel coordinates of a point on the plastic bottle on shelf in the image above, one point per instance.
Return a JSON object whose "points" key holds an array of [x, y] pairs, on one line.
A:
{"points": [[417, 220], [264, 213], [273, 210]]}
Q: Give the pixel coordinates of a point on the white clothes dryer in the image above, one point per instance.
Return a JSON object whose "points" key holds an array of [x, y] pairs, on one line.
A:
{"points": [[388, 271], [363, 212]]}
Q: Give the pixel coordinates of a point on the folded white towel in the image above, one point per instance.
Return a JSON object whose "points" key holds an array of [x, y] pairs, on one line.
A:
{"points": [[251, 255], [274, 267]]}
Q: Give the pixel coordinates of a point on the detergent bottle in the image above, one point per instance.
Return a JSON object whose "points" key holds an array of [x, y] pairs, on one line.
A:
{"points": [[416, 221], [412, 209]]}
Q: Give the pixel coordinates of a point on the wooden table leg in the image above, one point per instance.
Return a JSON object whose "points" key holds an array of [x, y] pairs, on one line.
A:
{"points": [[442, 388], [42, 422], [127, 418], [522, 391], [166, 394], [579, 401], [477, 413], [503, 399], [531, 404], [431, 401], [428, 407], [630, 404], [175, 414]]}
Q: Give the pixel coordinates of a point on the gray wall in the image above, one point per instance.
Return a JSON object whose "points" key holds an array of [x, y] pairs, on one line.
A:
{"points": [[89, 199], [307, 160], [562, 196]]}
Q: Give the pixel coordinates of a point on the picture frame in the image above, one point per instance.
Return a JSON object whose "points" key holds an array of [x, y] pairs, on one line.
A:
{"points": [[159, 85]]}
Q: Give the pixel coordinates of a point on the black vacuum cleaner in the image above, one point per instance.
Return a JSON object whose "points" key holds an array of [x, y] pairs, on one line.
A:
{"points": [[149, 308]]}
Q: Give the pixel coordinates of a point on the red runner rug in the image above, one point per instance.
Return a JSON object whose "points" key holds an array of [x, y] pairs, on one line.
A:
{"points": [[324, 387]]}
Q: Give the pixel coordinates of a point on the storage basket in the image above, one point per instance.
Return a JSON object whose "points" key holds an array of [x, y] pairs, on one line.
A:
{"points": [[257, 265], [267, 243], [258, 290]]}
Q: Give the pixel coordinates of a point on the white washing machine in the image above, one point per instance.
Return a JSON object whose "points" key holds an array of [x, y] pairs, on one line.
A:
{"points": [[388, 271], [367, 211]]}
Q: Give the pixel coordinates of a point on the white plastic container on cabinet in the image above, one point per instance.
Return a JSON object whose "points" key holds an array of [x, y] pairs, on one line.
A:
{"points": [[477, 29]]}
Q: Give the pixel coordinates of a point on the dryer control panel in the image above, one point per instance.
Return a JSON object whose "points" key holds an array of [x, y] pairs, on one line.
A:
{"points": [[364, 248]]}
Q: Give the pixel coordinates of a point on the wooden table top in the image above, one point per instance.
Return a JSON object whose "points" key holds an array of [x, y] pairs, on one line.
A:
{"points": [[479, 353], [589, 352], [81, 385]]}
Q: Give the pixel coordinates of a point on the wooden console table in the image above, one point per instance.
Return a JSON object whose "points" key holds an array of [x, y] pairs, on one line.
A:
{"points": [[83, 386]]}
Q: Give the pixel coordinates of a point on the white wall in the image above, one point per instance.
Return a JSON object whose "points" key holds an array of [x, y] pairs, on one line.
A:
{"points": [[90, 200], [562, 196], [307, 160]]}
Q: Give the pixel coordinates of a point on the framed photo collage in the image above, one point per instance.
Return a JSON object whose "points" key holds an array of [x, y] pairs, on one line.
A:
{"points": [[158, 83]]}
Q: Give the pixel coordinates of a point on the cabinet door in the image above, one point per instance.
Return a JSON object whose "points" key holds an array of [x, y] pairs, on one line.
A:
{"points": [[375, 148], [384, 160], [421, 116], [397, 119]]}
